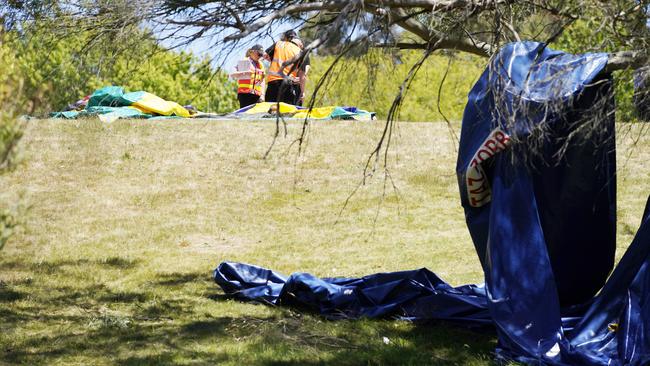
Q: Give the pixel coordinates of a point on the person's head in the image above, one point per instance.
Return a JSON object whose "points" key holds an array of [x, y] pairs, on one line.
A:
{"points": [[255, 52], [289, 35]]}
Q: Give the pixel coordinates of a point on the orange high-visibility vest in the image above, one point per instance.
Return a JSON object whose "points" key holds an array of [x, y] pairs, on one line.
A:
{"points": [[284, 51], [252, 85]]}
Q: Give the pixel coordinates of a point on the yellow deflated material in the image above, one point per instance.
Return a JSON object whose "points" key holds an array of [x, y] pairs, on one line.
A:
{"points": [[150, 103], [321, 112], [267, 107]]}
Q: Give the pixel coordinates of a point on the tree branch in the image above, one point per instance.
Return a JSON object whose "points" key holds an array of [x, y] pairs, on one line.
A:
{"points": [[438, 4], [396, 6], [291, 9], [402, 45], [480, 49], [626, 60], [404, 20]]}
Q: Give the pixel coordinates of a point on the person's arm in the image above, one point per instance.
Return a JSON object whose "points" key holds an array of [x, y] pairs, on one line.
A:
{"points": [[263, 88], [304, 71], [269, 53], [302, 76]]}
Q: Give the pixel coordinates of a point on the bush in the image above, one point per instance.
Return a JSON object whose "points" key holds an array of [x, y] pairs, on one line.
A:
{"points": [[58, 71], [372, 82], [11, 130]]}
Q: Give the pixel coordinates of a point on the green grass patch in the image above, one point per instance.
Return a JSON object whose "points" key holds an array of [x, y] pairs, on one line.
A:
{"points": [[126, 222]]}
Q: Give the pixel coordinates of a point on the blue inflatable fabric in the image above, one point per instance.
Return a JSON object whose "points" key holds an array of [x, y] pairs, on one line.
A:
{"points": [[417, 294], [540, 264], [544, 228]]}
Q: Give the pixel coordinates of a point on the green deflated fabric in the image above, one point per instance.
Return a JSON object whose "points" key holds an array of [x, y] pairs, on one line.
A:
{"points": [[111, 103], [105, 114], [109, 96]]}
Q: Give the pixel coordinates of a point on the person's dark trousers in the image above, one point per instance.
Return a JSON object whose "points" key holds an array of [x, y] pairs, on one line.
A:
{"points": [[247, 99], [290, 92]]}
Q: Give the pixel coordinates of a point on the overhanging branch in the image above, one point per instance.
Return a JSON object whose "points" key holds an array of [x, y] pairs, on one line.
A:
{"points": [[402, 45], [396, 6], [479, 49], [291, 9], [617, 60], [626, 60]]}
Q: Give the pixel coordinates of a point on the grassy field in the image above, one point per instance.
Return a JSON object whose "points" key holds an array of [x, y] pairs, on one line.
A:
{"points": [[125, 222]]}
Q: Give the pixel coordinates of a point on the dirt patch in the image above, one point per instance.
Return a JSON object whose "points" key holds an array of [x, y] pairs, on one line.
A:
{"points": [[202, 243]]}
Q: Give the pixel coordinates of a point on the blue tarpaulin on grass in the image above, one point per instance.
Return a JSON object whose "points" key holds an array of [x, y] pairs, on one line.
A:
{"points": [[536, 172]]}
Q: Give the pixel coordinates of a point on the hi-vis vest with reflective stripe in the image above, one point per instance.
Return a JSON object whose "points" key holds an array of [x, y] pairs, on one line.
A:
{"points": [[252, 85], [284, 51]]}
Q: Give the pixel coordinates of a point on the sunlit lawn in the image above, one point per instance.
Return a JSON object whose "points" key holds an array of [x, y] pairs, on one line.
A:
{"points": [[124, 223]]}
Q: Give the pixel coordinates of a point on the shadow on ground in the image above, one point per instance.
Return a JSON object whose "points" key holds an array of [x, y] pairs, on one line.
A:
{"points": [[176, 318]]}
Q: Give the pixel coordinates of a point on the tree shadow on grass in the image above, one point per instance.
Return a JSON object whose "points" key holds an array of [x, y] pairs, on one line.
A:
{"points": [[303, 338], [8, 294], [280, 339], [54, 266], [140, 343], [178, 279], [168, 323]]}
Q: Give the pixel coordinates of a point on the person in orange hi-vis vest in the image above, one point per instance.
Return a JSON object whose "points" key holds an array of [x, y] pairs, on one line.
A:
{"points": [[250, 77], [302, 73], [284, 82]]}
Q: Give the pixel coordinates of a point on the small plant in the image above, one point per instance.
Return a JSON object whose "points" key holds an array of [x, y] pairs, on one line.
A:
{"points": [[11, 132], [8, 224], [109, 320], [127, 156]]}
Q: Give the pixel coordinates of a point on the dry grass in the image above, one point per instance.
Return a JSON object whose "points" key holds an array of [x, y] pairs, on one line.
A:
{"points": [[127, 221]]}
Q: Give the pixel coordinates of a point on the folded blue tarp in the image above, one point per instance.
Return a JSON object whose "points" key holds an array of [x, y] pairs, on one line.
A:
{"points": [[417, 294], [536, 172]]}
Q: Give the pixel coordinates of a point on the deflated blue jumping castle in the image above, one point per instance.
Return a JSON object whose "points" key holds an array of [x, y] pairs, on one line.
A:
{"points": [[536, 172]]}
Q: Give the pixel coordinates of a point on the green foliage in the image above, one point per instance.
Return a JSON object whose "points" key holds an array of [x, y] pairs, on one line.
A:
{"points": [[373, 81], [58, 71], [10, 131], [10, 134]]}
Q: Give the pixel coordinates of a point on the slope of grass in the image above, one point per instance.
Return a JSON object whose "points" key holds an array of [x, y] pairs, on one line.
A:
{"points": [[126, 222]]}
